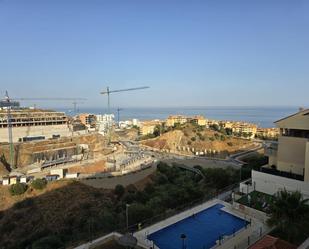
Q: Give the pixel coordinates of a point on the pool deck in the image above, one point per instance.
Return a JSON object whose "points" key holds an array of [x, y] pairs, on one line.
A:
{"points": [[240, 239]]}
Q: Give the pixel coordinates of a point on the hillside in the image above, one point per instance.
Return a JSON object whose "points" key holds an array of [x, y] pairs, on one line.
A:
{"points": [[67, 213], [63, 209], [191, 138]]}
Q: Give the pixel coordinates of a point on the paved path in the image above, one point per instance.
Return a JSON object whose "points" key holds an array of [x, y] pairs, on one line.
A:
{"points": [[110, 183]]}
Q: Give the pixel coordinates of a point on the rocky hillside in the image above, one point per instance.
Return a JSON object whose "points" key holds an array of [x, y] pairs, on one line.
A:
{"points": [[190, 139]]}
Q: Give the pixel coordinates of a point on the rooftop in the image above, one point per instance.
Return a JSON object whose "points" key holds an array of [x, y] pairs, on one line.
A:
{"points": [[270, 242]]}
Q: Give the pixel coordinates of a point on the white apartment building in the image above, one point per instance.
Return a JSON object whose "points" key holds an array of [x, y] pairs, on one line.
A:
{"points": [[104, 123]]}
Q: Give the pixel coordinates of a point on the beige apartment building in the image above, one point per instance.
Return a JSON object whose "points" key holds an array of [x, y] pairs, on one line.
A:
{"points": [[148, 127], [179, 119], [175, 119], [268, 132], [86, 119], [242, 127], [199, 120], [288, 166], [292, 154]]}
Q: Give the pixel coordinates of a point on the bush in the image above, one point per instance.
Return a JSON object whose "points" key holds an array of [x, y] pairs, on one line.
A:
{"points": [[229, 143], [49, 242], [18, 189], [39, 183], [119, 190], [193, 139]]}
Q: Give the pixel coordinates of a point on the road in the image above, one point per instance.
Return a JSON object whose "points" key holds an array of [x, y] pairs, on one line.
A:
{"points": [[125, 180]]}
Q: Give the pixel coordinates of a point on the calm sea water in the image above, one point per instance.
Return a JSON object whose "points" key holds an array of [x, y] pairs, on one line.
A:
{"points": [[263, 116]]}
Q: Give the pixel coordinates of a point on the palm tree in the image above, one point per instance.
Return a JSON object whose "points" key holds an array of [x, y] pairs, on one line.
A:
{"points": [[288, 213]]}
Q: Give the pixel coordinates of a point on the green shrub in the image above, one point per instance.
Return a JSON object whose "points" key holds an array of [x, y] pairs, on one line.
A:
{"points": [[49, 242], [229, 143], [39, 183], [119, 190], [193, 139], [18, 188]]}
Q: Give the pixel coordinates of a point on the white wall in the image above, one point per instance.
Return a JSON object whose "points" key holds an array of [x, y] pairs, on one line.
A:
{"points": [[246, 188], [47, 131], [271, 184]]}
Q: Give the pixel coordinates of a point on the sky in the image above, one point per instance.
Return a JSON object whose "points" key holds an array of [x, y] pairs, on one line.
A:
{"points": [[190, 53]]}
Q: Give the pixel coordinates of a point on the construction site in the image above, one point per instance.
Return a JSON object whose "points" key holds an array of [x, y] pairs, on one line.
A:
{"points": [[38, 143]]}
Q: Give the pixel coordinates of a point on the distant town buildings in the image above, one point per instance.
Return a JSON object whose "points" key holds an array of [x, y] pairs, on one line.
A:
{"points": [[244, 129], [104, 123], [176, 119], [179, 119], [267, 132], [12, 104], [129, 123], [199, 120], [87, 119], [148, 127]]}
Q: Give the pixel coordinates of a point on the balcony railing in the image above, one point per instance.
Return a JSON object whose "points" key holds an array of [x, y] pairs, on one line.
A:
{"points": [[282, 173]]}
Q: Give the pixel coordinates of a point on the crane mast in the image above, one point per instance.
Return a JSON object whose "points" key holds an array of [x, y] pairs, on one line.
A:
{"points": [[108, 92]]}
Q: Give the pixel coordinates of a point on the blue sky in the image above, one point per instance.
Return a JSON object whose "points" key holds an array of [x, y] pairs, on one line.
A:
{"points": [[191, 53]]}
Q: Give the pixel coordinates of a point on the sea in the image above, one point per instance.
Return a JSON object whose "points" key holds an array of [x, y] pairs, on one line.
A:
{"points": [[262, 116]]}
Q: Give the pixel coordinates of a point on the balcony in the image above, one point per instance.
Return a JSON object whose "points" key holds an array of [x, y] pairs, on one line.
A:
{"points": [[267, 169]]}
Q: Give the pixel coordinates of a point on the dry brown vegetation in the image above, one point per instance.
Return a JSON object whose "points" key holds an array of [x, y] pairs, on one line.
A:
{"points": [[59, 209]]}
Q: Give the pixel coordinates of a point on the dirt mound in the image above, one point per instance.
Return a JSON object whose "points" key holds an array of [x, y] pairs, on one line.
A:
{"points": [[191, 138], [167, 141]]}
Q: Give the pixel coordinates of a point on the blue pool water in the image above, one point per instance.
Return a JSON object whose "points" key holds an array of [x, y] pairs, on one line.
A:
{"points": [[202, 230]]}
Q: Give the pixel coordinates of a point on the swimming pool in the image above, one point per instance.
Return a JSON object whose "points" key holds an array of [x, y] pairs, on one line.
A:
{"points": [[201, 230]]}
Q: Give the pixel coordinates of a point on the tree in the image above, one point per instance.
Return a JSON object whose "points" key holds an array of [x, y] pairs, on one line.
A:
{"points": [[119, 190], [157, 130], [39, 183], [229, 131], [18, 188], [287, 213], [139, 212], [49, 242], [215, 127]]}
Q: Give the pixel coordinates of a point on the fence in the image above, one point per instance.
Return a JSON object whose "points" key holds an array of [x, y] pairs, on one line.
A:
{"points": [[222, 194], [249, 240]]}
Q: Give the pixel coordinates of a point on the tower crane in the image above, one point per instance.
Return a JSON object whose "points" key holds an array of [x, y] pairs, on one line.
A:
{"points": [[9, 100], [118, 115], [108, 92], [75, 109]]}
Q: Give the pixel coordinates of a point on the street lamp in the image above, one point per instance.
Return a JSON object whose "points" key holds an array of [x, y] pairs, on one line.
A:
{"points": [[127, 215], [183, 237]]}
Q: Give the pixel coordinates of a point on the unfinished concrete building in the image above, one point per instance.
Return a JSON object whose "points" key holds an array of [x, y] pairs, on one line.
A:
{"points": [[33, 122]]}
